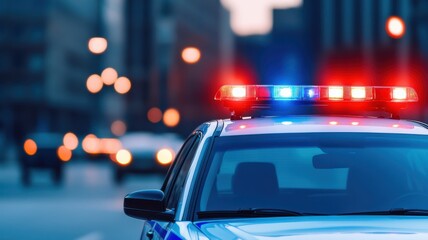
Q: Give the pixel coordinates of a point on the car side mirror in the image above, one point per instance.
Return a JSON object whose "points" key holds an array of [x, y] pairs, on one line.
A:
{"points": [[147, 205]]}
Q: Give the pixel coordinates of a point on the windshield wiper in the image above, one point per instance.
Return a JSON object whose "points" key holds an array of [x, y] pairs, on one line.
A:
{"points": [[394, 211], [251, 212]]}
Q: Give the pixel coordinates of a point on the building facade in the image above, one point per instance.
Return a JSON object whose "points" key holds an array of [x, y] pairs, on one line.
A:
{"points": [[44, 63], [319, 42]]}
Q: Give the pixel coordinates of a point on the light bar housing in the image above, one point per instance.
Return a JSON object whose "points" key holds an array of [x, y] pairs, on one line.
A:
{"points": [[306, 93], [244, 97]]}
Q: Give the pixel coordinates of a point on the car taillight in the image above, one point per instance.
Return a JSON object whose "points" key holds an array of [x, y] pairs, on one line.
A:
{"points": [[30, 147], [64, 154]]}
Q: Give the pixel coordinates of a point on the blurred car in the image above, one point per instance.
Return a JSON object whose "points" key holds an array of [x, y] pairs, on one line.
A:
{"points": [[44, 151], [144, 152]]}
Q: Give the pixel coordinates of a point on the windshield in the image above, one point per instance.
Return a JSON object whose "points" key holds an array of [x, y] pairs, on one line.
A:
{"points": [[317, 173]]}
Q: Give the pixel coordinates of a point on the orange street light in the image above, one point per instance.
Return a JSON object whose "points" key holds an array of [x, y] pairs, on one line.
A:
{"points": [[191, 55], [97, 45], [171, 117], [70, 141], [109, 76], [118, 128], [91, 144], [395, 27], [122, 85], [109, 145], [154, 115], [94, 84]]}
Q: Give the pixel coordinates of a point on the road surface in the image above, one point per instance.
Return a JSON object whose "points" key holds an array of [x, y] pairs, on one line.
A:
{"points": [[88, 206]]}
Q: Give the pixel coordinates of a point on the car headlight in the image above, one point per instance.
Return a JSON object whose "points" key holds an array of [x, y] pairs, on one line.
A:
{"points": [[123, 157], [164, 156]]}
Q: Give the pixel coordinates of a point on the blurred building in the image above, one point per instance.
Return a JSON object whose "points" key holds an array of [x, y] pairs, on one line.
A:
{"points": [[44, 63], [148, 53], [112, 106], [355, 31], [203, 25], [138, 59], [339, 42], [288, 53], [356, 48], [307, 42], [157, 32], [324, 42], [353, 23]]}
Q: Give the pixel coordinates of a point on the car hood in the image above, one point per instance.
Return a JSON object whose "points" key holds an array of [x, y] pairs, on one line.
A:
{"points": [[320, 228]]}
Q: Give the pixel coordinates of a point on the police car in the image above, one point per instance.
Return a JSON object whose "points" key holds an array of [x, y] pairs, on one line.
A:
{"points": [[326, 175]]}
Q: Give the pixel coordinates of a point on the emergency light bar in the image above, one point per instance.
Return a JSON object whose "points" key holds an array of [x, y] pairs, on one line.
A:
{"points": [[254, 93], [240, 97]]}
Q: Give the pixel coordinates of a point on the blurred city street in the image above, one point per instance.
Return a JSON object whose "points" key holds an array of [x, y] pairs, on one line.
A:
{"points": [[96, 89], [88, 206]]}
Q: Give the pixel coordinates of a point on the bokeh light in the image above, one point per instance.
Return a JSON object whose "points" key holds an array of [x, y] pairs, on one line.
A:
{"points": [[154, 115], [97, 45], [191, 55], [91, 144], [395, 27], [113, 157], [30, 147], [165, 156], [94, 84], [123, 157], [70, 141], [171, 117], [255, 17], [109, 76], [109, 145], [64, 154], [122, 85], [118, 128]]}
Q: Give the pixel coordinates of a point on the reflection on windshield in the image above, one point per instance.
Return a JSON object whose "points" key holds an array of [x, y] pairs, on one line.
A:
{"points": [[327, 173]]}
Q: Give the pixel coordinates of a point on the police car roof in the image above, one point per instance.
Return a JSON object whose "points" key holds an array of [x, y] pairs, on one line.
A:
{"points": [[319, 124]]}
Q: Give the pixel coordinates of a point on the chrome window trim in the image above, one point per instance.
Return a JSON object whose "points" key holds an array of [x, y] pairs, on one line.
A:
{"points": [[183, 204]]}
